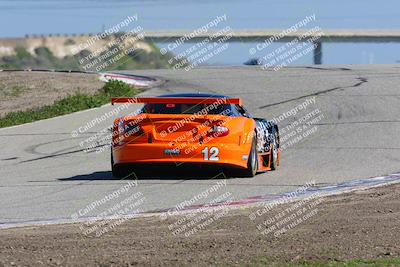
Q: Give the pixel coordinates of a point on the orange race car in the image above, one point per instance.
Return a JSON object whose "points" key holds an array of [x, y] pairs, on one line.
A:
{"points": [[201, 129]]}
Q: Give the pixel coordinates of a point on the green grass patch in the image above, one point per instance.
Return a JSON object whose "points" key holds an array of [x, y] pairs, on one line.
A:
{"points": [[353, 263], [70, 104]]}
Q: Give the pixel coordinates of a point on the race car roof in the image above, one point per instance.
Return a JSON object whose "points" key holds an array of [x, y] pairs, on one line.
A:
{"points": [[202, 95], [186, 98]]}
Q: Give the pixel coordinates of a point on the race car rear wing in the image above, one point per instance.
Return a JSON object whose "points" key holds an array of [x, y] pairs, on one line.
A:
{"points": [[176, 100]]}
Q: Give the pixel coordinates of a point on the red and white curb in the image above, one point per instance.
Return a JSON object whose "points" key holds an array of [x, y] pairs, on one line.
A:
{"points": [[340, 188], [134, 80]]}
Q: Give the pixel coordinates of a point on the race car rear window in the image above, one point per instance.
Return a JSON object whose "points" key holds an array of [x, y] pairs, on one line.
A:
{"points": [[187, 109]]}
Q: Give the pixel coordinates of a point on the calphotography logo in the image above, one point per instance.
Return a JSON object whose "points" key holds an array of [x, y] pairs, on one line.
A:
{"points": [[103, 215], [273, 220], [213, 42], [301, 44]]}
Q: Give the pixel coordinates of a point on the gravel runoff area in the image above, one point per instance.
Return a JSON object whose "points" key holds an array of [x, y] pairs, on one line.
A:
{"points": [[358, 225], [22, 90]]}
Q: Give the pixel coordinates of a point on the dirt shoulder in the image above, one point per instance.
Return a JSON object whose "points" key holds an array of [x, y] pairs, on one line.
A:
{"points": [[361, 225], [22, 90]]}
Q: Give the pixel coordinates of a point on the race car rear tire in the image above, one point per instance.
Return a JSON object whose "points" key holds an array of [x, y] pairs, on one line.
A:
{"points": [[252, 162], [117, 171], [274, 152]]}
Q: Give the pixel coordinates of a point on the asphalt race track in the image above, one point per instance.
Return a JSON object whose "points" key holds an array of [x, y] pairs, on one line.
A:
{"points": [[46, 175]]}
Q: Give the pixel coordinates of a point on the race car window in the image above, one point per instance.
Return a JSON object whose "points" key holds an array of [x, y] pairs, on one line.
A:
{"points": [[220, 109], [243, 111], [172, 108]]}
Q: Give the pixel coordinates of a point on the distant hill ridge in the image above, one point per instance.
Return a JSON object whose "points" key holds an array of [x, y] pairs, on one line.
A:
{"points": [[62, 46], [90, 52]]}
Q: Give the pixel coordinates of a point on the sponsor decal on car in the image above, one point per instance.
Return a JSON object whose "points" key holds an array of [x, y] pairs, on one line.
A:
{"points": [[173, 152]]}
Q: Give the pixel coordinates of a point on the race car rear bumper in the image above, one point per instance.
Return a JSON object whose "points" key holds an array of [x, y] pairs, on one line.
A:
{"points": [[231, 155]]}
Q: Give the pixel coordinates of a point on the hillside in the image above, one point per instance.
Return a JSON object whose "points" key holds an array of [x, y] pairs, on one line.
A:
{"points": [[87, 53]]}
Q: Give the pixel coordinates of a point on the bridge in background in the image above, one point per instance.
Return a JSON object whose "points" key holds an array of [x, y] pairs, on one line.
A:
{"points": [[259, 36], [7, 45]]}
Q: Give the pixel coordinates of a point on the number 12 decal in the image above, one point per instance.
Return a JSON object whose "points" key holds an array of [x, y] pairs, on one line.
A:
{"points": [[212, 155]]}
